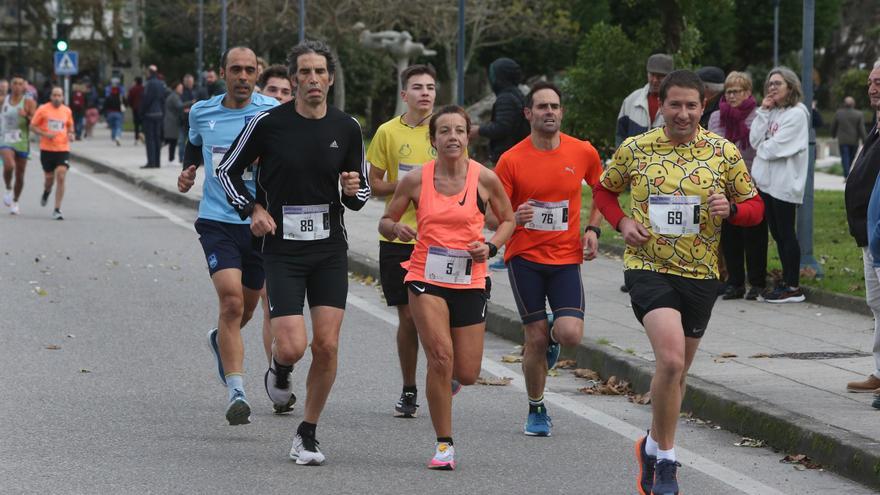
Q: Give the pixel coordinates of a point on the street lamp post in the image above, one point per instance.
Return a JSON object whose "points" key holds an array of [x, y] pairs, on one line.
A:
{"points": [[201, 46], [302, 20], [805, 215], [460, 55], [775, 33], [224, 4]]}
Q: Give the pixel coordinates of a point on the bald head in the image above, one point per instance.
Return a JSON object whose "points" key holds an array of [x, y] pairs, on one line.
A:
{"points": [[849, 102], [239, 53]]}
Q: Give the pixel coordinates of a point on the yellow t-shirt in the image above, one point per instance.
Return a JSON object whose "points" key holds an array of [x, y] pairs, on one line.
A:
{"points": [[398, 148], [670, 186]]}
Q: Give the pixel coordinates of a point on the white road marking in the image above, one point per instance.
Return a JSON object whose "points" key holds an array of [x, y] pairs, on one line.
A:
{"points": [[687, 457]]}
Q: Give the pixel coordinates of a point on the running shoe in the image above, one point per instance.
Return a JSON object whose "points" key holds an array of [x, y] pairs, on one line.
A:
{"points": [[7, 198], [553, 348], [753, 293], [646, 462], [305, 451], [456, 387], [498, 265], [785, 295], [876, 403], [279, 389], [733, 292], [444, 457], [538, 424], [406, 405], [14, 209], [45, 198], [56, 215], [666, 477], [215, 349], [239, 411]]}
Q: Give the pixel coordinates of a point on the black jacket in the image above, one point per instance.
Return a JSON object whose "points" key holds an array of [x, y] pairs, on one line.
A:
{"points": [[508, 125], [153, 104], [859, 185]]}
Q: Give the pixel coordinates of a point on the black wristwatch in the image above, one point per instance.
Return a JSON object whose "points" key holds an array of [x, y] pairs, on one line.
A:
{"points": [[733, 210], [595, 229], [493, 249]]}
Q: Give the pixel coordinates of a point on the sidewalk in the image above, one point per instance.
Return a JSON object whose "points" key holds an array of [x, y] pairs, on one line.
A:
{"points": [[796, 403]]}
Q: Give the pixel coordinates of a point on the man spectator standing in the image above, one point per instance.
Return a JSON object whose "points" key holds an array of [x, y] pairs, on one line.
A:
{"points": [[188, 98], [713, 84], [134, 98], [153, 111], [859, 185], [640, 110], [212, 87], [78, 107], [848, 127]]}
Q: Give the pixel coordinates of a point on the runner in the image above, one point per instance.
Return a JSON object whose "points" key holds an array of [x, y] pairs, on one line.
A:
{"points": [[305, 151], [446, 275], [682, 178], [236, 267], [53, 122], [542, 176], [399, 146], [15, 113], [275, 83]]}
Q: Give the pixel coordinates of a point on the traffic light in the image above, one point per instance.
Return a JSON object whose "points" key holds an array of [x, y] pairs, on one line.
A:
{"points": [[61, 43]]}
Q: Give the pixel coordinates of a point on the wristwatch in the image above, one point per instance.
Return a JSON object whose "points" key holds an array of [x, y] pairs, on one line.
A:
{"points": [[595, 229], [493, 249], [733, 210]]}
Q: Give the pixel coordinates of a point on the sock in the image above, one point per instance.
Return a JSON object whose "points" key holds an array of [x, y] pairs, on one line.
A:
{"points": [[445, 440], [306, 429], [234, 381], [281, 368], [409, 389], [651, 447], [668, 455], [535, 405]]}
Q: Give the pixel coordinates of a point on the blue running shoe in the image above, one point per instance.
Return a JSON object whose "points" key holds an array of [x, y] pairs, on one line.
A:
{"points": [[456, 387], [553, 348], [666, 478], [239, 411], [876, 403], [498, 265], [538, 424], [215, 348], [646, 462]]}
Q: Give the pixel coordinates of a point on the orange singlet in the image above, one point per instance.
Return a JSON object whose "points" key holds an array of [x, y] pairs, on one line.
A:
{"points": [[447, 224]]}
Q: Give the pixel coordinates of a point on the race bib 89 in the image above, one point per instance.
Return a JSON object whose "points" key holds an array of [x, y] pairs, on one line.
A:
{"points": [[306, 223]]}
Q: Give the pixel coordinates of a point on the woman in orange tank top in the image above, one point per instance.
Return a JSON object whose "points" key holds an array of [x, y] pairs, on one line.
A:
{"points": [[446, 274]]}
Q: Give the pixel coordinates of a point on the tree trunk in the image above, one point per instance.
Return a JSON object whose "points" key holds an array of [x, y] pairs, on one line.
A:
{"points": [[673, 24], [338, 83]]}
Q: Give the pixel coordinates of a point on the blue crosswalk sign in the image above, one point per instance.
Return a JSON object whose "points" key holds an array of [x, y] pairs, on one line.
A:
{"points": [[66, 63]]}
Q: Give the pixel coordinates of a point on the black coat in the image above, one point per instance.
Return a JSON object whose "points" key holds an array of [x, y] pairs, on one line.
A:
{"points": [[508, 125], [859, 185]]}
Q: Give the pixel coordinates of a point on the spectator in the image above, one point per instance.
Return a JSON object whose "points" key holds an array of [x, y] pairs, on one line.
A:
{"points": [[113, 113], [45, 92], [78, 107], [848, 127], [134, 98], [508, 124], [173, 118], [153, 108], [188, 98], [780, 135], [640, 110], [740, 245], [713, 85], [92, 114], [859, 184], [212, 86]]}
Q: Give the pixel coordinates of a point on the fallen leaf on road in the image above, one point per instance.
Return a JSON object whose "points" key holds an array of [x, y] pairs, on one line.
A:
{"points": [[643, 399], [614, 386], [510, 358], [83, 370], [70, 336], [719, 360], [760, 355], [750, 442], [53, 347], [552, 372], [586, 373], [495, 381], [40, 291], [566, 364], [728, 355], [801, 462]]}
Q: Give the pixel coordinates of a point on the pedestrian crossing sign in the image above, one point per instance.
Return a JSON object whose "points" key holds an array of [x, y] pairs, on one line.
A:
{"points": [[66, 63]]}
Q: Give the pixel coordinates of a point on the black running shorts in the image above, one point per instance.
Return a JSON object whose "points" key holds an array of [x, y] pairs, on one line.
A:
{"points": [[290, 278], [466, 306], [391, 274], [50, 160], [693, 298]]}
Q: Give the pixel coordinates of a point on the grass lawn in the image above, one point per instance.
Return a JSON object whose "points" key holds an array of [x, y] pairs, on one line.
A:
{"points": [[839, 257]]}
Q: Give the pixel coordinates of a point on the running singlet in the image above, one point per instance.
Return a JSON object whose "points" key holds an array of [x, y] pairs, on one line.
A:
{"points": [[214, 127], [58, 120], [551, 182], [298, 176], [398, 148], [447, 224], [14, 132], [670, 186]]}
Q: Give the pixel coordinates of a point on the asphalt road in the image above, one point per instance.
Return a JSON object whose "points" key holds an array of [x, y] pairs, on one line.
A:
{"points": [[110, 388]]}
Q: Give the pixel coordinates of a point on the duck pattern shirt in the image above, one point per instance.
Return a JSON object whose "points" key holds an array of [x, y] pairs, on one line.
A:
{"points": [[670, 187], [298, 176]]}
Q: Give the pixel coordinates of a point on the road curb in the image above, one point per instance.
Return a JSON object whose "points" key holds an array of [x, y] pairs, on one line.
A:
{"points": [[846, 453]]}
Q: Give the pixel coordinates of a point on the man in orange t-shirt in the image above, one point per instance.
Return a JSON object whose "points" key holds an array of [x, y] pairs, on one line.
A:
{"points": [[543, 176], [53, 122]]}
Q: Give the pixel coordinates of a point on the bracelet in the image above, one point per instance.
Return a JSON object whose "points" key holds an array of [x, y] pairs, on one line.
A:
{"points": [[493, 249]]}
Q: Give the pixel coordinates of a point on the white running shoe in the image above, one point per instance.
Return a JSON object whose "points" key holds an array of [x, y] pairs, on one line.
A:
{"points": [[444, 457], [7, 198], [305, 451], [14, 209], [56, 215], [279, 389]]}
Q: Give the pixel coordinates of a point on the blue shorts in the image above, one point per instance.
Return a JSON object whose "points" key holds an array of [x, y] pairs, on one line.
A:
{"points": [[229, 245], [18, 154], [533, 283]]}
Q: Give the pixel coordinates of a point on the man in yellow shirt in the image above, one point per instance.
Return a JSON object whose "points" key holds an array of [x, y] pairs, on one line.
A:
{"points": [[400, 145]]}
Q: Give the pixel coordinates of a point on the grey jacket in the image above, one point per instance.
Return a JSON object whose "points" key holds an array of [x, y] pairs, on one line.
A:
{"points": [[848, 127], [173, 116]]}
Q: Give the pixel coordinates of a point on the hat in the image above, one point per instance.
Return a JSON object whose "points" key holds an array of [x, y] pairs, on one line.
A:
{"points": [[711, 75], [660, 63]]}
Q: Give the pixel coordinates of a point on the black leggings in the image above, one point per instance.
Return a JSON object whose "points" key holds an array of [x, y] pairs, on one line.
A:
{"points": [[781, 218], [745, 251], [172, 148]]}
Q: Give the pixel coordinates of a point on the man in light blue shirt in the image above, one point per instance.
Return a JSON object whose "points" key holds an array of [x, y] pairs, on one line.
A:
{"points": [[236, 267]]}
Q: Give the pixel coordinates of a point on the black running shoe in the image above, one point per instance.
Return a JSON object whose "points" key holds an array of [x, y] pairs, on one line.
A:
{"points": [[44, 198], [665, 478], [646, 463], [406, 406]]}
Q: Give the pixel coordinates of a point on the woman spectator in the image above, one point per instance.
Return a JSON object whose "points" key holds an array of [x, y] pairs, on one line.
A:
{"points": [[741, 245], [780, 135], [173, 118], [92, 114], [113, 114]]}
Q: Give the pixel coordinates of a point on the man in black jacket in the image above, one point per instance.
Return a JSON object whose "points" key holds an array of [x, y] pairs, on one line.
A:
{"points": [[508, 125], [859, 185], [153, 112]]}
